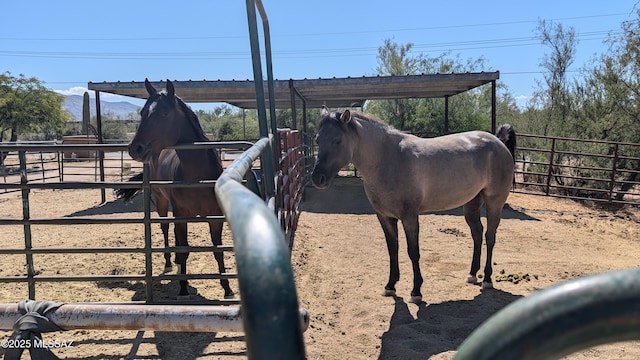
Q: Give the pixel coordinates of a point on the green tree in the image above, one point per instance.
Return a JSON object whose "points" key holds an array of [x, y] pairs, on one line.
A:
{"points": [[26, 106], [608, 100], [425, 117], [610, 93], [394, 59], [551, 103], [227, 123]]}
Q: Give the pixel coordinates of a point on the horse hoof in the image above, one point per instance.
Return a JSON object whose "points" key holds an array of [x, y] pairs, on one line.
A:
{"points": [[487, 285], [388, 292], [230, 296], [183, 297], [472, 279], [415, 299], [168, 269]]}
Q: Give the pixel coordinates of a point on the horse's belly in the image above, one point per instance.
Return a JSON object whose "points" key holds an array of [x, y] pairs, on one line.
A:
{"points": [[435, 201], [399, 202]]}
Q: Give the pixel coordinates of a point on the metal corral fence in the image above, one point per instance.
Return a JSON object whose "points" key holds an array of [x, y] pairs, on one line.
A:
{"points": [[243, 207], [29, 180], [291, 180], [602, 171], [44, 165], [35, 173], [272, 322], [71, 163]]}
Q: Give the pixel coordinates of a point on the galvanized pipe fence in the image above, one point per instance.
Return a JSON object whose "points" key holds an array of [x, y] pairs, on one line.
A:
{"points": [[124, 316]]}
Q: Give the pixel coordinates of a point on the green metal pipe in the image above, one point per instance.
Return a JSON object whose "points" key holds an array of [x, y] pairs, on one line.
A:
{"points": [[27, 228], [268, 295], [568, 317], [269, 65], [147, 233], [268, 162]]}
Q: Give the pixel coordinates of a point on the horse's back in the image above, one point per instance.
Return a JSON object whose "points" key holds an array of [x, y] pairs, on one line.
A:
{"points": [[443, 173], [476, 159]]}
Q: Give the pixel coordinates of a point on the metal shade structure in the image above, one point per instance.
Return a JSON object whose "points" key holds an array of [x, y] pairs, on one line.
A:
{"points": [[332, 92]]}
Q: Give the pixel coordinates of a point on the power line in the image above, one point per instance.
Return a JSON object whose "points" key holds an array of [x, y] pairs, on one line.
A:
{"points": [[296, 53], [445, 27], [341, 33]]}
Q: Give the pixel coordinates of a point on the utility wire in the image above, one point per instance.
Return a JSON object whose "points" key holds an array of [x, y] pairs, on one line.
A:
{"points": [[295, 54]]}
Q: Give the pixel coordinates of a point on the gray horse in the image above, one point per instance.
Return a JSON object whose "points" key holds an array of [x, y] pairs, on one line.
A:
{"points": [[405, 175]]}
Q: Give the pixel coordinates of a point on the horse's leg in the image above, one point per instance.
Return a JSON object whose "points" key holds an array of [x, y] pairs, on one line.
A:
{"points": [[494, 214], [162, 206], [215, 227], [412, 231], [180, 231], [472, 217], [390, 228]]}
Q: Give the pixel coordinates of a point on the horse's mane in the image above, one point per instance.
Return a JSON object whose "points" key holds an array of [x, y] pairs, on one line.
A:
{"points": [[195, 122], [360, 116], [193, 118], [370, 119]]}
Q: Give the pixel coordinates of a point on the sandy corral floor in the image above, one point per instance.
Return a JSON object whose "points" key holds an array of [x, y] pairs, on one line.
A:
{"points": [[341, 265]]}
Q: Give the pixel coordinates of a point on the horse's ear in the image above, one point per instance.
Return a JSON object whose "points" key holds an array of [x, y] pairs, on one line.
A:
{"points": [[324, 112], [346, 116], [171, 92], [150, 89]]}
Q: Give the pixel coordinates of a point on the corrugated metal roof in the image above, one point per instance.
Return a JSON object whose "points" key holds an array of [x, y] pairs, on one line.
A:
{"points": [[332, 92]]}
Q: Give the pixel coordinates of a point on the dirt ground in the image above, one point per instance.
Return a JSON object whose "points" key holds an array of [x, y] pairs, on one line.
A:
{"points": [[341, 266]]}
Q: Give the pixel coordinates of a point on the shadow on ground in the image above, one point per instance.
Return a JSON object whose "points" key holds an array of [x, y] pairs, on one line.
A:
{"points": [[347, 196], [116, 206], [430, 333]]}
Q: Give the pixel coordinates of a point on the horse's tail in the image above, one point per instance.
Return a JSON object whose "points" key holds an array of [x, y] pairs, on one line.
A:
{"points": [[507, 135], [128, 194]]}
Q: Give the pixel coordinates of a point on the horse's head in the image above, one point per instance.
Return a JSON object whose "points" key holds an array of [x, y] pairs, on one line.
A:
{"points": [[159, 123], [335, 146]]}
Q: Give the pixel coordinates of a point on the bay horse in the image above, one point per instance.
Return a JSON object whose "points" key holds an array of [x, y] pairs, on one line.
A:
{"points": [[404, 175], [167, 121]]}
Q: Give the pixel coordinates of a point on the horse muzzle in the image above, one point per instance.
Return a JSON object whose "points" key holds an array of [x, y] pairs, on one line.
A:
{"points": [[320, 179], [140, 152]]}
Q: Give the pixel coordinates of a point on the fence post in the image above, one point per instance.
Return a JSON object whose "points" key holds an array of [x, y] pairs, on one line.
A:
{"points": [[27, 227], [550, 171], [613, 171], [42, 166], [147, 233], [61, 165]]}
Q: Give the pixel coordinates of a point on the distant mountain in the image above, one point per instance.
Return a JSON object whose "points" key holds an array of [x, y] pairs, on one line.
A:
{"points": [[115, 110]]}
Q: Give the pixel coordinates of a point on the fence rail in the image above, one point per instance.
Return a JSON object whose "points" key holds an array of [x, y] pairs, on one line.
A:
{"points": [[25, 181], [595, 170]]}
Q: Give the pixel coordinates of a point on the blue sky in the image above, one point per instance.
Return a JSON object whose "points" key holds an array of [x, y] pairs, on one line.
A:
{"points": [[68, 44]]}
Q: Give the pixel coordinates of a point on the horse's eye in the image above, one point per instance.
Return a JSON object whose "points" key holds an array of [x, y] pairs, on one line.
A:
{"points": [[338, 142]]}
